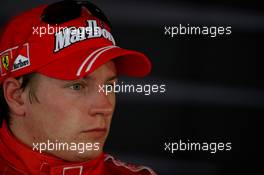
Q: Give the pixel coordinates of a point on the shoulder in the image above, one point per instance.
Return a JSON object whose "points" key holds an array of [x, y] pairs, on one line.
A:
{"points": [[115, 166]]}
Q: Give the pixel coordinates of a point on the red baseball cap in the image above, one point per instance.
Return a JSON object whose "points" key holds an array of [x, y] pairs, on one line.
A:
{"points": [[65, 51]]}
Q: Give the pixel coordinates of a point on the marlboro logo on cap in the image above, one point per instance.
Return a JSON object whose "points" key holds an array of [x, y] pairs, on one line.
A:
{"points": [[69, 36]]}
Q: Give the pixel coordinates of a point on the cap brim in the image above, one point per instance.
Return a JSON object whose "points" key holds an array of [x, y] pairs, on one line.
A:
{"points": [[82, 62]]}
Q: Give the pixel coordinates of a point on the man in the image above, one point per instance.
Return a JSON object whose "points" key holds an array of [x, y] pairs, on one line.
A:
{"points": [[55, 120]]}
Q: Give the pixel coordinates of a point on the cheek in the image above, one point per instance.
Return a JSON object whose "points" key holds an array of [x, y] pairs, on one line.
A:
{"points": [[56, 115]]}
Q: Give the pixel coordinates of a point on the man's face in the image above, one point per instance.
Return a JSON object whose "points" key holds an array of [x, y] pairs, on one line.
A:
{"points": [[72, 112]]}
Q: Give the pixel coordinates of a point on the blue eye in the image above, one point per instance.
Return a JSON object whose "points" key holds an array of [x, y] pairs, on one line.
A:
{"points": [[77, 86]]}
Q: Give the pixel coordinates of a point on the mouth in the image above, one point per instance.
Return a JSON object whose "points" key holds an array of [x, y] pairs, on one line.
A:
{"points": [[96, 132]]}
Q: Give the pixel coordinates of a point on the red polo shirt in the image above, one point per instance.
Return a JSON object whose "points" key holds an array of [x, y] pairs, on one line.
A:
{"points": [[18, 159]]}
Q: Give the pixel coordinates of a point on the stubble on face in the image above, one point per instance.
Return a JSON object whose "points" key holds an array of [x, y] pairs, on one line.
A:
{"points": [[71, 112]]}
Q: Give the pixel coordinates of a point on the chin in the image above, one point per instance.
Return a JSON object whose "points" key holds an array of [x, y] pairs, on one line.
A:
{"points": [[86, 156], [75, 156]]}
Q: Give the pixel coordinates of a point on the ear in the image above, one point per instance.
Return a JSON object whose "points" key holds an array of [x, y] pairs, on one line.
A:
{"points": [[14, 96]]}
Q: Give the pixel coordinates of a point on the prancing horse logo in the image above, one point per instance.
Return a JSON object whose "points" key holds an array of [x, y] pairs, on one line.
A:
{"points": [[5, 62]]}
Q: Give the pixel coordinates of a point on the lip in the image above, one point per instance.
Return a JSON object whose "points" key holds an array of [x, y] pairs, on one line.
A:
{"points": [[96, 132]]}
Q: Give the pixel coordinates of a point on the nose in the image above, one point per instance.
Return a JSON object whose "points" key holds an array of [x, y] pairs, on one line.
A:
{"points": [[102, 105]]}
